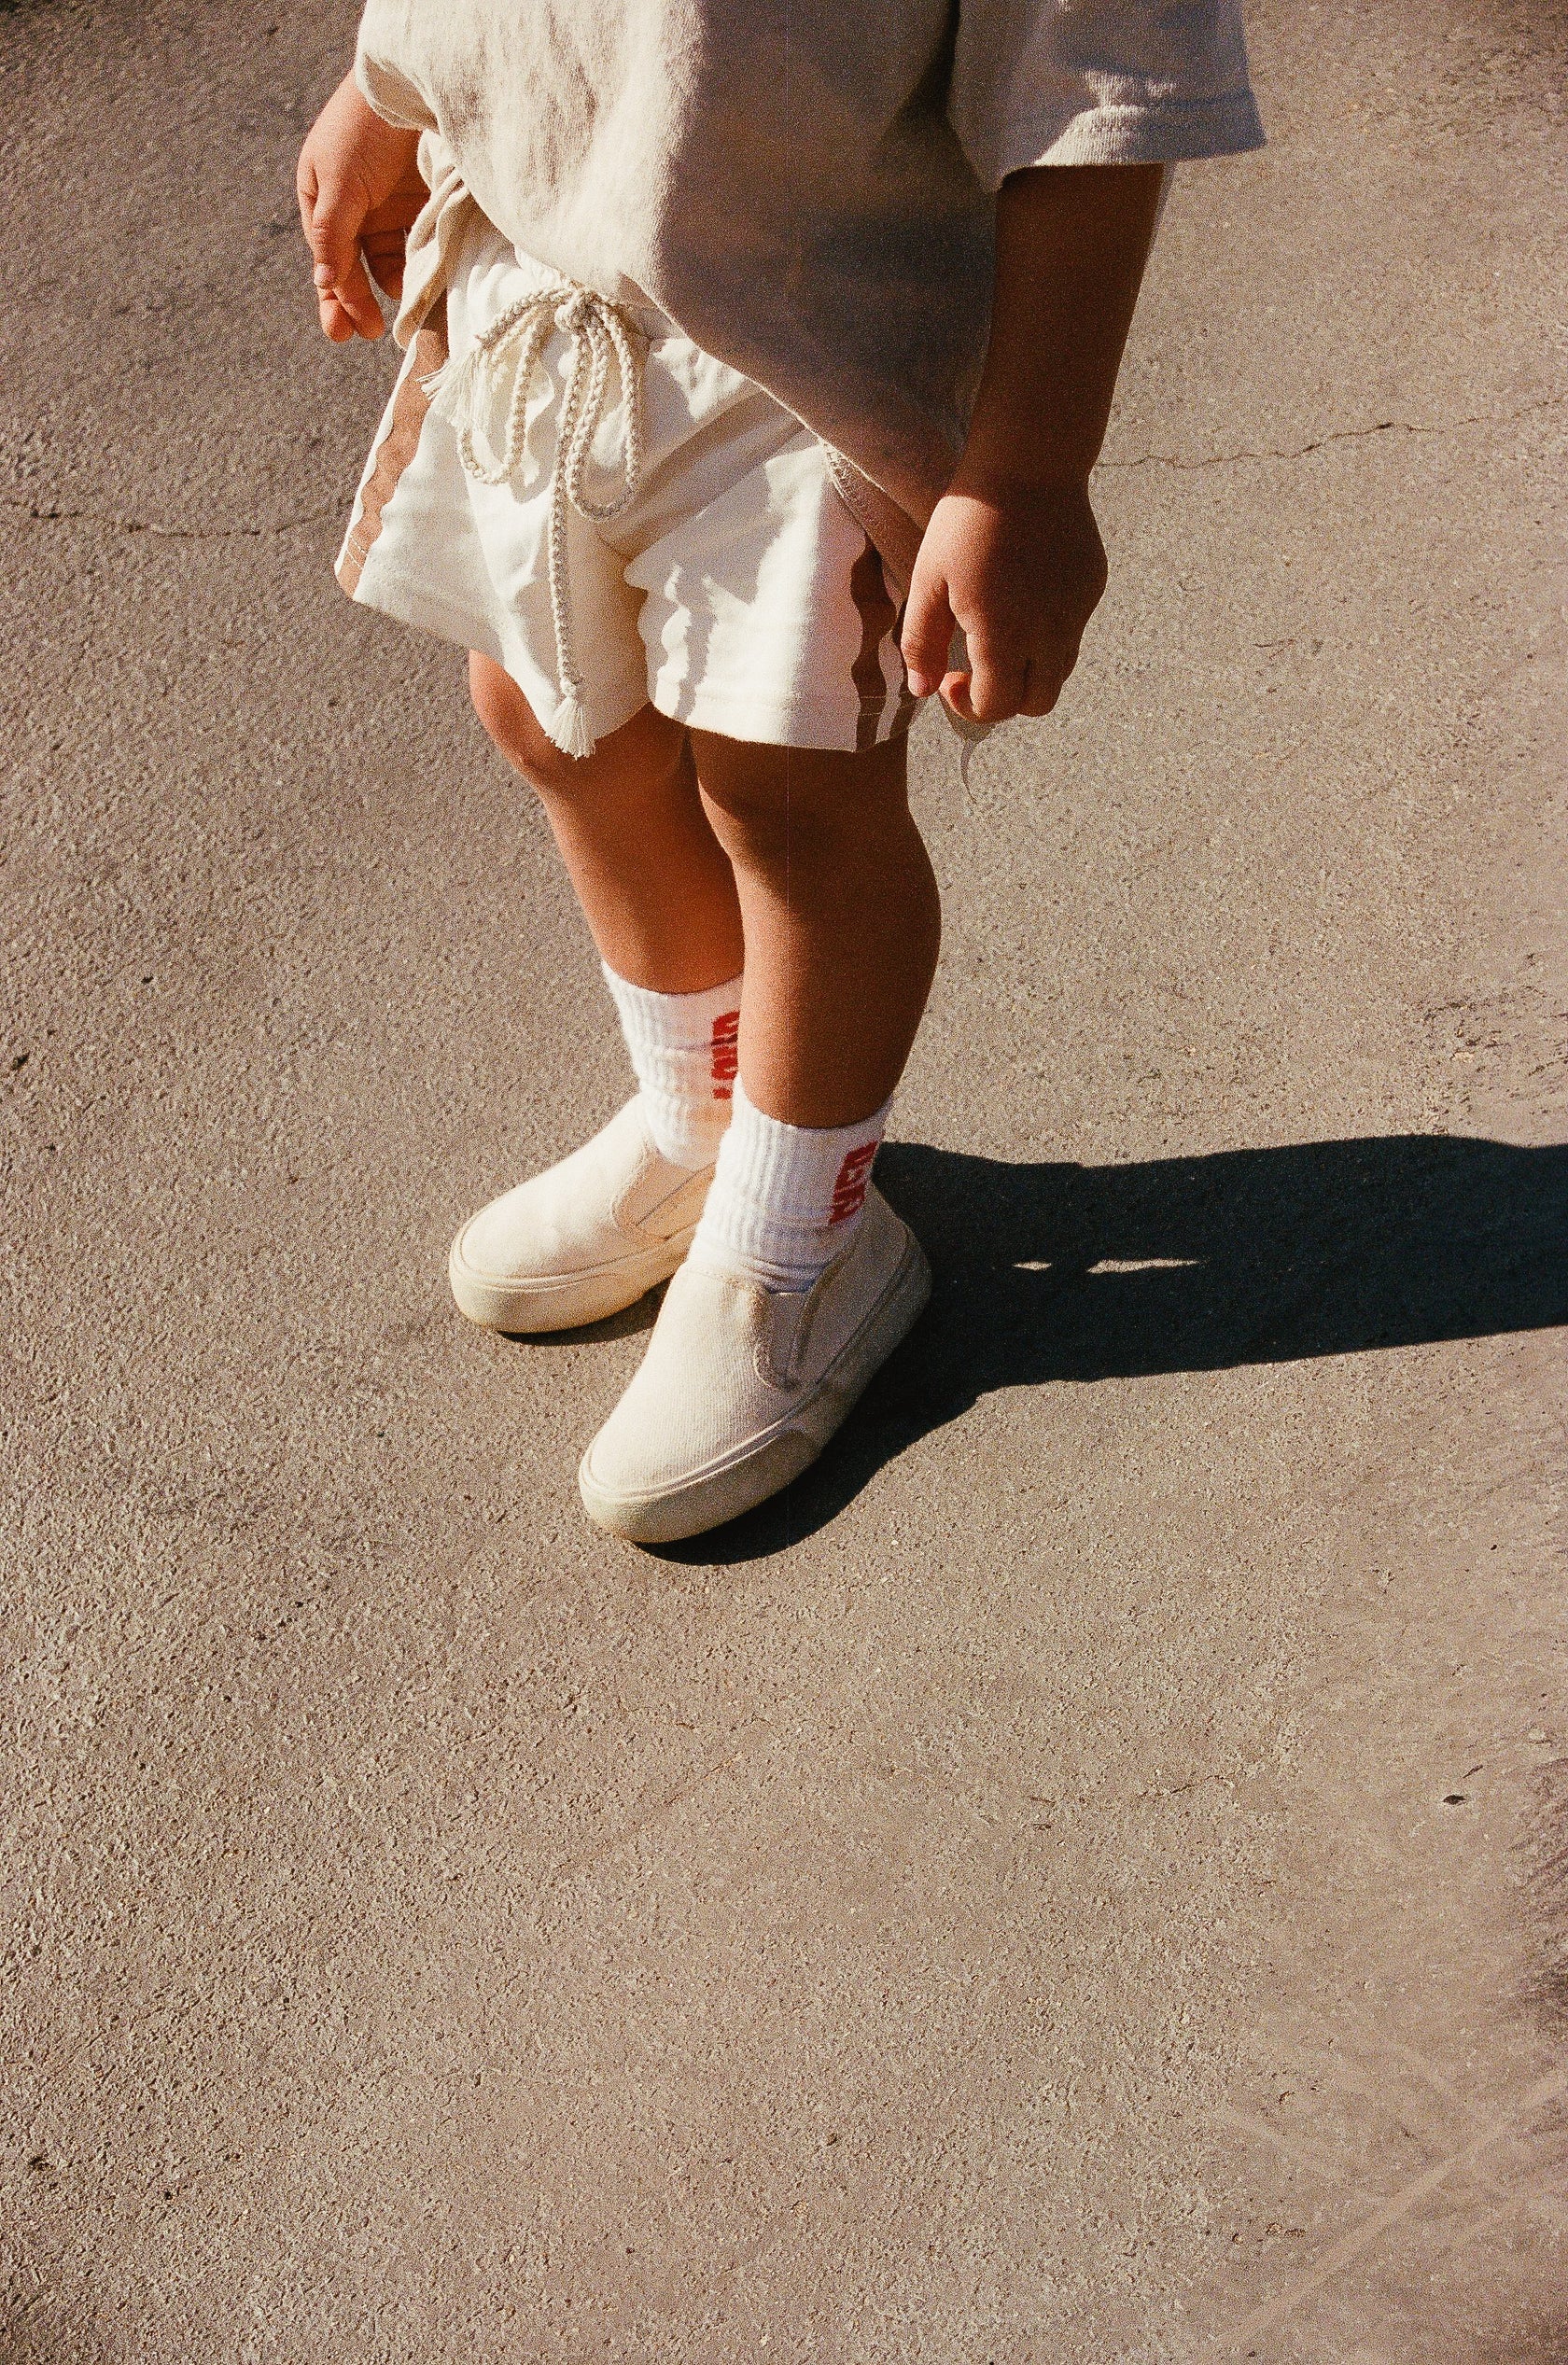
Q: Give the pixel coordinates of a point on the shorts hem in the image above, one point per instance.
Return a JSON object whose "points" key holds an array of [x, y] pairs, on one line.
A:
{"points": [[832, 730], [609, 703]]}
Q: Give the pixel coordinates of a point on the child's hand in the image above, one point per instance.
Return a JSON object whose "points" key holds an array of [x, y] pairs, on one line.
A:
{"points": [[359, 188], [1021, 569]]}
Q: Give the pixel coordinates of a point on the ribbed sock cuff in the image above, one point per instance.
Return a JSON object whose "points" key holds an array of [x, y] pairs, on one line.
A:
{"points": [[786, 1198], [684, 1049]]}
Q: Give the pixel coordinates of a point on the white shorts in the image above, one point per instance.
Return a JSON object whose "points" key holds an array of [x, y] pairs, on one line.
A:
{"points": [[733, 589]]}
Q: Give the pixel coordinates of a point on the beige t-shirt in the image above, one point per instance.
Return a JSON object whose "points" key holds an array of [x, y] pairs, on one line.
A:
{"points": [[805, 187]]}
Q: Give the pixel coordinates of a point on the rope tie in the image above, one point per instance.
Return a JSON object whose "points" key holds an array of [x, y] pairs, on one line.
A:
{"points": [[466, 392]]}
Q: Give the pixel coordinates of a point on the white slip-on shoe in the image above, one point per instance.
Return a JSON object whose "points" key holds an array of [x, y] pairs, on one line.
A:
{"points": [[742, 1386], [583, 1239]]}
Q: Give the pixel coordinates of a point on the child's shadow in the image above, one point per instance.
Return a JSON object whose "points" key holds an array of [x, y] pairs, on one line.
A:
{"points": [[1082, 1273]]}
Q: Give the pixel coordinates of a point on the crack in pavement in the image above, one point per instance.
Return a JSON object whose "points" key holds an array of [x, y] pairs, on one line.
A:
{"points": [[1340, 435], [52, 513]]}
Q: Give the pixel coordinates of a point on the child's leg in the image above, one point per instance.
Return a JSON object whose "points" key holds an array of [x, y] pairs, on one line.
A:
{"points": [[660, 899], [841, 916], [842, 922], [655, 887]]}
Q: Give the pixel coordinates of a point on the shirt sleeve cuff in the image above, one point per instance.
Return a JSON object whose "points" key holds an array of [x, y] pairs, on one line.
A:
{"points": [[1163, 131], [390, 96]]}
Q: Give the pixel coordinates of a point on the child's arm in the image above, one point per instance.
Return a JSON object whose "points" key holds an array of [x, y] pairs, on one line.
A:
{"points": [[1013, 552], [359, 189]]}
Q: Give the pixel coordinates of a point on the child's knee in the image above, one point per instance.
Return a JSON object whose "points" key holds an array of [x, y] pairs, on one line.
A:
{"points": [[515, 728]]}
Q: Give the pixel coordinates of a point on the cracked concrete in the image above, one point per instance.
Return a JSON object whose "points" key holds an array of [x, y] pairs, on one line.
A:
{"points": [[1342, 435], [1081, 1880], [52, 513], [45, 510]]}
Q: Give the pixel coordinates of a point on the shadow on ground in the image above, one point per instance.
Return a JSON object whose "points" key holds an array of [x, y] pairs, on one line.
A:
{"points": [[1085, 1273]]}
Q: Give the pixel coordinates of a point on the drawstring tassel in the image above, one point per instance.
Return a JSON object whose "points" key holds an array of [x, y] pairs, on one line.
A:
{"points": [[569, 729], [450, 389]]}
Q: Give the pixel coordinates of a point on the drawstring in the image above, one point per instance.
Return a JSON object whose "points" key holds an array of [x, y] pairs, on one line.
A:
{"points": [[462, 393]]}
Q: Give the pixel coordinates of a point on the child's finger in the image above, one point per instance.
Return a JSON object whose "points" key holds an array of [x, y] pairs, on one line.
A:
{"points": [[332, 227], [351, 289], [927, 632], [335, 322], [331, 222], [996, 682], [955, 694], [305, 191]]}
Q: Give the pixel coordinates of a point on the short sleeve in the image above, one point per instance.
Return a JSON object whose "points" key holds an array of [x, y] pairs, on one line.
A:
{"points": [[381, 80], [1099, 82]]}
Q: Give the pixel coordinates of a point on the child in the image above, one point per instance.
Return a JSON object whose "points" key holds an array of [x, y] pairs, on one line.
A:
{"points": [[732, 325]]}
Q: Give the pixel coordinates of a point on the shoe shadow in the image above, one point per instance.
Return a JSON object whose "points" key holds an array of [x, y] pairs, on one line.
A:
{"points": [[1056, 1273]]}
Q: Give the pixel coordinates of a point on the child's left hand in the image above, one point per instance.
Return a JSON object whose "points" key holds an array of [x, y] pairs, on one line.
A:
{"points": [[1021, 569], [359, 190]]}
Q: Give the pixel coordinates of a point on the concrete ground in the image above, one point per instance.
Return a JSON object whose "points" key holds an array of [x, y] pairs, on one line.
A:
{"points": [[1085, 1876]]}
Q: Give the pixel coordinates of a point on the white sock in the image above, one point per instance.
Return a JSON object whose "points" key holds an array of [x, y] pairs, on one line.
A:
{"points": [[684, 1049], [785, 1197]]}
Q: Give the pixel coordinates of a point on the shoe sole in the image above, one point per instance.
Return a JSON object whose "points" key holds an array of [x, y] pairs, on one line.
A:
{"points": [[561, 1301], [771, 1462]]}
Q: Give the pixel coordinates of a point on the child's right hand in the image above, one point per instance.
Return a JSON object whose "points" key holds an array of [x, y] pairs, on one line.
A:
{"points": [[359, 189]]}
